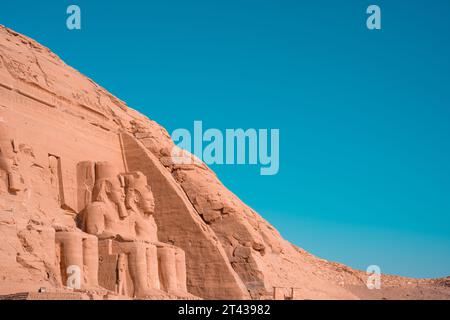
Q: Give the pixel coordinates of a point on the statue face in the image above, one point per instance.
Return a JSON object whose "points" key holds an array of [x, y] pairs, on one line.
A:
{"points": [[139, 196], [110, 190], [116, 193], [146, 201]]}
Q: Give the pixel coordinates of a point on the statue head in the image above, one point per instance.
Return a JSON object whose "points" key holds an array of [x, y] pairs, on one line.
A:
{"points": [[139, 196], [108, 187]]}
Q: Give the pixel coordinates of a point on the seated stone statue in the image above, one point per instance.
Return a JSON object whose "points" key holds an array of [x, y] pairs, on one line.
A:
{"points": [[141, 205], [108, 219]]}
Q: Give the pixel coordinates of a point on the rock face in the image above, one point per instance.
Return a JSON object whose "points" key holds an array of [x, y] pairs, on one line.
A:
{"points": [[91, 199]]}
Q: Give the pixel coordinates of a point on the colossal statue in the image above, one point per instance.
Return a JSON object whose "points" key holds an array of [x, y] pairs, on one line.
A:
{"points": [[108, 219], [121, 216], [141, 205]]}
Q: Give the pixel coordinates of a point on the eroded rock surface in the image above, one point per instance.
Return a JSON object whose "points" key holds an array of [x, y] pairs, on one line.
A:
{"points": [[87, 182]]}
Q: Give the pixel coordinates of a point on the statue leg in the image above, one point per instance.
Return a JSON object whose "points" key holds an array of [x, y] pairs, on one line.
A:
{"points": [[137, 264], [152, 267], [168, 271], [138, 268], [90, 257], [73, 256], [180, 259]]}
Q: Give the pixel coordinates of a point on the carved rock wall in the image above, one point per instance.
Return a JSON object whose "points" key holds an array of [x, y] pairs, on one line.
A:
{"points": [[209, 273], [53, 119]]}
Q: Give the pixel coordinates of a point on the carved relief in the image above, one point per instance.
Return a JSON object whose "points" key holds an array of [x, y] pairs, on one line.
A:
{"points": [[85, 183], [9, 166], [55, 178]]}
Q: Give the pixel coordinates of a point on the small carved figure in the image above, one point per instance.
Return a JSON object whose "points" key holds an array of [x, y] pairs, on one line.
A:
{"points": [[122, 274], [9, 162]]}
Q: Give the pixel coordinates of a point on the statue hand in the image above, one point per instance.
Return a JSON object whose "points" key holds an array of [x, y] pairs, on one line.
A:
{"points": [[120, 237], [107, 235], [62, 228]]}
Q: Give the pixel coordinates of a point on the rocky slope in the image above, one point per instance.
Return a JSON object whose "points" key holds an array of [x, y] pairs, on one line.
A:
{"points": [[48, 108]]}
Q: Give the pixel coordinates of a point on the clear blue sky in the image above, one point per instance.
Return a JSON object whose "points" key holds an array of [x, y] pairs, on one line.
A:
{"points": [[364, 116]]}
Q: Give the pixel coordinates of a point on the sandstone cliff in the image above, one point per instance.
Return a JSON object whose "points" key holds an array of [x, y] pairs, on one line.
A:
{"points": [[50, 113]]}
